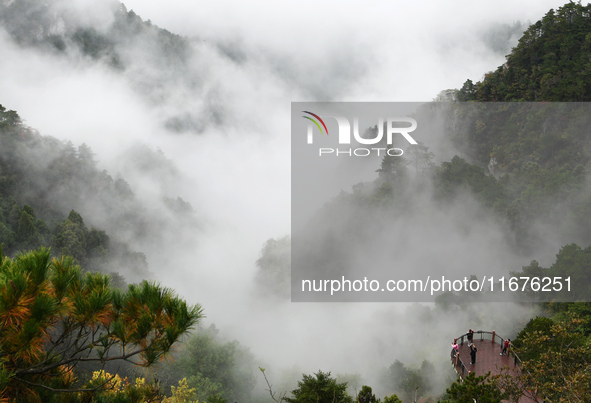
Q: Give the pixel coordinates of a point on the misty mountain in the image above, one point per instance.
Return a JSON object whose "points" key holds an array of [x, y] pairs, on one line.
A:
{"points": [[505, 197], [518, 188], [45, 183], [540, 154], [159, 64]]}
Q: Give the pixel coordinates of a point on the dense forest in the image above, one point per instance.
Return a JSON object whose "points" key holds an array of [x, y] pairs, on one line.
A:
{"points": [[523, 153], [49, 186], [81, 320]]}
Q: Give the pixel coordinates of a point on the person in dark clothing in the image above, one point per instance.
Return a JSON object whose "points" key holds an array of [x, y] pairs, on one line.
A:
{"points": [[470, 336], [473, 351]]}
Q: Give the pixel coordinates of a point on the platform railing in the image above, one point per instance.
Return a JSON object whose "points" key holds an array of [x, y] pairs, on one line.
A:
{"points": [[461, 368], [459, 365]]}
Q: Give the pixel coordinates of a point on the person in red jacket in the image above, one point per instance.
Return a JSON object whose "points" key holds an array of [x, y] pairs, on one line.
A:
{"points": [[506, 346]]}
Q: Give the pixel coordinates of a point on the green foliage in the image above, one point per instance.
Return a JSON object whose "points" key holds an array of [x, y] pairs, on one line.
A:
{"points": [[52, 317], [564, 311], [27, 234], [366, 395], [42, 178], [91, 42], [550, 62], [459, 174], [467, 92], [70, 239], [421, 159], [393, 169], [557, 360], [524, 162], [320, 388], [216, 399], [14, 214], [89, 247], [410, 382], [6, 236], [207, 387], [214, 367], [8, 118], [538, 325], [181, 394], [274, 274], [473, 388], [572, 262]]}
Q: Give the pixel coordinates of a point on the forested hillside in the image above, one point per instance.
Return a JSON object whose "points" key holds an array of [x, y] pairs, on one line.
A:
{"points": [[517, 193], [524, 157], [43, 183], [52, 192], [550, 62], [537, 168]]}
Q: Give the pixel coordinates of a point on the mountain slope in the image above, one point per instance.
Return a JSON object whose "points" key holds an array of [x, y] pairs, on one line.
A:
{"points": [[552, 62], [47, 186]]}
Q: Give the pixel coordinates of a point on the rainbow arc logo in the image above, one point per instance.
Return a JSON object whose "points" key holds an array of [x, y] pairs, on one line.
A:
{"points": [[315, 121]]}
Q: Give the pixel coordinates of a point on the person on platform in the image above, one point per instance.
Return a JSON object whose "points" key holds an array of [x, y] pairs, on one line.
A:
{"points": [[506, 346], [455, 347], [473, 351]]}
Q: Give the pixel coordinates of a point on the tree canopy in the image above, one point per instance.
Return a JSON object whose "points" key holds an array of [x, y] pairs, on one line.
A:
{"points": [[53, 317], [550, 62], [319, 388]]}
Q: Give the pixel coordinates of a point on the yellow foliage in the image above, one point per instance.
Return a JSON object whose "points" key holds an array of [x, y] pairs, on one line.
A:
{"points": [[181, 394], [113, 384]]}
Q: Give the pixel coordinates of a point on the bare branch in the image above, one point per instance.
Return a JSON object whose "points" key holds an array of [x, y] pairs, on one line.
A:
{"points": [[38, 385], [39, 369], [270, 390]]}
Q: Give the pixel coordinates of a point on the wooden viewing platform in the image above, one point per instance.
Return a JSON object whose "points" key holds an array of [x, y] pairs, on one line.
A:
{"points": [[488, 358]]}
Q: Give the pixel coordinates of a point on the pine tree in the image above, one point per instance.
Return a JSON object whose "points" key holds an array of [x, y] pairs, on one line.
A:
{"points": [[52, 317]]}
